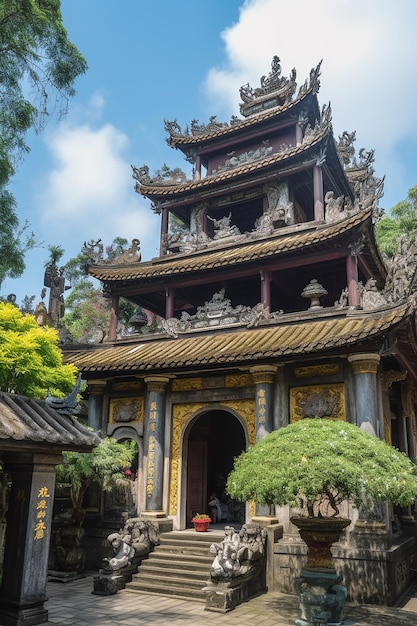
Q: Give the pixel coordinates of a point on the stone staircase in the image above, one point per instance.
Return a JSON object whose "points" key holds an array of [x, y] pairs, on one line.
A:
{"points": [[179, 567]]}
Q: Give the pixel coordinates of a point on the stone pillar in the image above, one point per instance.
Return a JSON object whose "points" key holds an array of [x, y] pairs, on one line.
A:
{"points": [[318, 193], [154, 441], [25, 568], [365, 368], [264, 378], [266, 288], [114, 318], [96, 389]]}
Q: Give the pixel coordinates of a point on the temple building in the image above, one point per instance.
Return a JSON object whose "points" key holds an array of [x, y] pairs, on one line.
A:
{"points": [[273, 304]]}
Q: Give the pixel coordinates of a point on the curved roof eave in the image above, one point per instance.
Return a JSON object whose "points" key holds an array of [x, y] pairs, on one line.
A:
{"points": [[251, 250], [241, 346], [165, 192]]}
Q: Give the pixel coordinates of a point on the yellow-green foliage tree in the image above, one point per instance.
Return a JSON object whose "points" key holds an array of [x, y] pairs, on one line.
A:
{"points": [[30, 359]]}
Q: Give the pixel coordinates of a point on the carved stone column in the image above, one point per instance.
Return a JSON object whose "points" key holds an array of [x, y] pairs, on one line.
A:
{"points": [[264, 378], [96, 389], [154, 441], [365, 368], [25, 568], [318, 193]]}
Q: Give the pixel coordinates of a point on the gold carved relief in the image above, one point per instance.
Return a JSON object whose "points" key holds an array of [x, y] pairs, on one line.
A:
{"points": [[392, 376], [239, 380], [318, 401], [407, 400], [181, 415], [327, 369], [127, 386], [124, 410], [186, 384]]}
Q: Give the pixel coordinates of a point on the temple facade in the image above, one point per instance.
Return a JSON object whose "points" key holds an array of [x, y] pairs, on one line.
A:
{"points": [[273, 304]]}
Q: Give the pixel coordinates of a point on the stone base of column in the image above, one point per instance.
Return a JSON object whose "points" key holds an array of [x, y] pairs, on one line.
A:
{"points": [[264, 520], [153, 514], [18, 615], [159, 518]]}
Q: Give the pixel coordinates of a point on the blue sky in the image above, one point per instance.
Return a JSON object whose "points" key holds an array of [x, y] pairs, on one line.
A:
{"points": [[186, 60]]}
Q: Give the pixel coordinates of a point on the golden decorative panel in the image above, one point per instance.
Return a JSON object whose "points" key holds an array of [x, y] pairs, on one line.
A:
{"points": [[127, 386], [125, 410], [392, 376], [181, 416], [327, 369], [187, 384], [239, 380], [318, 401]]}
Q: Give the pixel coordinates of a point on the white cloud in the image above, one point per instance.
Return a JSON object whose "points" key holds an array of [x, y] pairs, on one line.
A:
{"points": [[88, 194], [369, 52]]}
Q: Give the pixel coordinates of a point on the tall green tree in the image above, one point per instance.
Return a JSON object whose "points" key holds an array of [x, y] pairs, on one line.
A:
{"points": [[402, 221], [30, 359], [87, 309], [38, 68]]}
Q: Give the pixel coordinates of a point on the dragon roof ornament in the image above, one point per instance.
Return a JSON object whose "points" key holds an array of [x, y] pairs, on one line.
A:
{"points": [[275, 91], [359, 169], [94, 250]]}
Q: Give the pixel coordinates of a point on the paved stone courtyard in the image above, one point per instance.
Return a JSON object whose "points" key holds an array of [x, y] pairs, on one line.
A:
{"points": [[73, 604]]}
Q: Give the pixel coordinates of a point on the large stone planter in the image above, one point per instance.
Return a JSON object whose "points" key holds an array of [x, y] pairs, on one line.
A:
{"points": [[320, 533], [322, 597]]}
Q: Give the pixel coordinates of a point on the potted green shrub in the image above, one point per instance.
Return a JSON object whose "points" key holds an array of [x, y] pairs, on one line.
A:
{"points": [[316, 464], [105, 466]]}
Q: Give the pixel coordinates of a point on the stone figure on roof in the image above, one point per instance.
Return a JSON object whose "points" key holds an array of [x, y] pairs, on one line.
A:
{"points": [[223, 227]]}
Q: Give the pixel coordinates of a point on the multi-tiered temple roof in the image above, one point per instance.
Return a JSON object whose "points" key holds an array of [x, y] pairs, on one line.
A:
{"points": [[278, 211]]}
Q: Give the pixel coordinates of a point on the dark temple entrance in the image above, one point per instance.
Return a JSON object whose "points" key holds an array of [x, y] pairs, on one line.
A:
{"points": [[215, 439]]}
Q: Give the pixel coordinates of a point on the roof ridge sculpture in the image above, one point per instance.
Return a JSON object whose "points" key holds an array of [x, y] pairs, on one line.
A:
{"points": [[251, 98]]}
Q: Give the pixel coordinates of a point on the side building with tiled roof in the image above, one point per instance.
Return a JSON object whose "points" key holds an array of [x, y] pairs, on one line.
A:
{"points": [[274, 304]]}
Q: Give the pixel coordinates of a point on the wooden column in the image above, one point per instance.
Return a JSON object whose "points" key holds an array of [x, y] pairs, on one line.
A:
{"points": [[298, 135], [164, 232], [318, 193], [197, 172], [114, 317], [352, 280], [266, 288], [169, 303]]}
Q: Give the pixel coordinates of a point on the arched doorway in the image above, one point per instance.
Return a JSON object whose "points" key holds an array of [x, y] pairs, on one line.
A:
{"points": [[214, 440]]}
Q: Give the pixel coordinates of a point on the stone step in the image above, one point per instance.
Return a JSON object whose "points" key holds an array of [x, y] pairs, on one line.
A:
{"points": [[178, 567], [159, 569], [175, 557], [167, 591], [167, 565]]}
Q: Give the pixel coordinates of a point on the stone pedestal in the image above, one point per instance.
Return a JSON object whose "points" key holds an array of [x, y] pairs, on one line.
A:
{"points": [[110, 582], [223, 597], [322, 598]]}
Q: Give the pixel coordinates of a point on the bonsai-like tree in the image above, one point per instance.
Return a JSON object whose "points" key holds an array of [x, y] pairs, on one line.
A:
{"points": [[105, 465], [317, 464]]}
